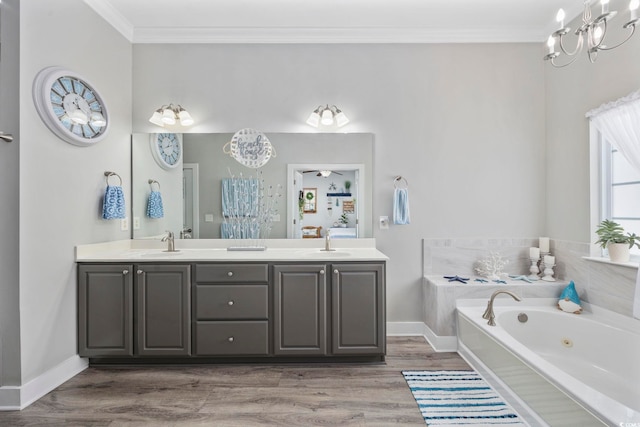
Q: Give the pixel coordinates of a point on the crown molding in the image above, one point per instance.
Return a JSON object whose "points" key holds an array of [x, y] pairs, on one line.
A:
{"points": [[113, 17], [334, 35]]}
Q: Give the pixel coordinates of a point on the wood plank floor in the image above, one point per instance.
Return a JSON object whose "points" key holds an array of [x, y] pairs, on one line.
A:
{"points": [[242, 395]]}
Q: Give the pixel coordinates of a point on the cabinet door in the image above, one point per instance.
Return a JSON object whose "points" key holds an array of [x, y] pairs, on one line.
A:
{"points": [[163, 310], [105, 310], [358, 302], [300, 305]]}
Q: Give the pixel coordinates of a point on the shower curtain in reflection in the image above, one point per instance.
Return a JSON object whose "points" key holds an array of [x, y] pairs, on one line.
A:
{"points": [[240, 198]]}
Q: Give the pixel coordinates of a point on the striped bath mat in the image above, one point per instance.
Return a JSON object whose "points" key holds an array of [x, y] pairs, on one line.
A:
{"points": [[453, 398]]}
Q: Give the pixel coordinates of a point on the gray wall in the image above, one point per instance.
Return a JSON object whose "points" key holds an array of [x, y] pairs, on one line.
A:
{"points": [[464, 124], [9, 194], [61, 185]]}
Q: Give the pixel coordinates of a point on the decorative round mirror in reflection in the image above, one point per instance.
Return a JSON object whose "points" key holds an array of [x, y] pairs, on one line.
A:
{"points": [[250, 148]]}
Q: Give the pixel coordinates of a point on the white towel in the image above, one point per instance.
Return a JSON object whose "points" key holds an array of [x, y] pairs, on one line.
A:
{"points": [[636, 298], [401, 206]]}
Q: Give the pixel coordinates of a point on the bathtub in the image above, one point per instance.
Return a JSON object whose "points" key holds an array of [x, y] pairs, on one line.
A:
{"points": [[560, 369]]}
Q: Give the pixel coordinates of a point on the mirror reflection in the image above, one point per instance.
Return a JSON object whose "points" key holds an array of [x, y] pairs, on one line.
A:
{"points": [[338, 166]]}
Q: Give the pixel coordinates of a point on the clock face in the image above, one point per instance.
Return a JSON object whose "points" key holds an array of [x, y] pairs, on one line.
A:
{"points": [[70, 106], [166, 149]]}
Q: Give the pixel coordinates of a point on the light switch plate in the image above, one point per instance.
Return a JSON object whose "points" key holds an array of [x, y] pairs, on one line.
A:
{"points": [[208, 217], [384, 223]]}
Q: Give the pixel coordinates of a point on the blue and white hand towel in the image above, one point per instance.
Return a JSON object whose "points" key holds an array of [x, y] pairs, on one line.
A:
{"points": [[401, 206], [154, 205], [113, 204]]}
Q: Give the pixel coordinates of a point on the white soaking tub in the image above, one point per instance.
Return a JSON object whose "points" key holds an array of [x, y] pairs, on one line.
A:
{"points": [[569, 369]]}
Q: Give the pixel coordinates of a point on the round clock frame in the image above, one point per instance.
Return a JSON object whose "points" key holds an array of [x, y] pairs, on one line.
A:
{"points": [[162, 153], [55, 92]]}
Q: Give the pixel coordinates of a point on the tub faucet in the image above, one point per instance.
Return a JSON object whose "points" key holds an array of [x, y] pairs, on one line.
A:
{"points": [[488, 313], [171, 247]]}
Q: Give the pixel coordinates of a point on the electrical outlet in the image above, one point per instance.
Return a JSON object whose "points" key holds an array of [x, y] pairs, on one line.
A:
{"points": [[275, 217], [124, 224], [136, 222], [384, 223]]}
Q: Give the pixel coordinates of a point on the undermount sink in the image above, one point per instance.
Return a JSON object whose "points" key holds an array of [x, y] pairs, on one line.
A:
{"points": [[331, 253], [160, 254]]}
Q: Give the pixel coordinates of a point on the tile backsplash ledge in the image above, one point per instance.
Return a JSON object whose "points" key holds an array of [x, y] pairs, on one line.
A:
{"points": [[607, 285]]}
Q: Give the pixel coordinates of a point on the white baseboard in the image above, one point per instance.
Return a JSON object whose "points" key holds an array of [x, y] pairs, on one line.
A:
{"points": [[439, 343], [15, 398]]}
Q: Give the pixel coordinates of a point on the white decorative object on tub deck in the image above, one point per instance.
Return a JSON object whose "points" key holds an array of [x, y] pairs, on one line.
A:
{"points": [[570, 370], [492, 267]]}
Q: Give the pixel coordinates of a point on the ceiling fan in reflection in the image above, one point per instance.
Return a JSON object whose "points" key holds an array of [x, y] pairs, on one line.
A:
{"points": [[323, 173]]}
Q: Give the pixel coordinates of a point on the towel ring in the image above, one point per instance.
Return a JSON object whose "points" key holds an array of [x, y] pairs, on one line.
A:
{"points": [[400, 180], [109, 174], [153, 181]]}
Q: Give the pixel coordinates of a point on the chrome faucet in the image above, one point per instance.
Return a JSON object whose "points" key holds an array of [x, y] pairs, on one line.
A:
{"points": [[171, 246], [488, 313], [327, 241]]}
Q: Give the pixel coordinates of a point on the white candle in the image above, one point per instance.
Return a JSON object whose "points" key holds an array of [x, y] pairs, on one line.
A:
{"points": [[633, 7], [544, 244], [534, 253], [605, 6], [551, 44], [549, 260], [560, 18]]}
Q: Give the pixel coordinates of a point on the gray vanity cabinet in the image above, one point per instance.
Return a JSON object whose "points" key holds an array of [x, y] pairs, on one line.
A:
{"points": [[358, 308], [300, 309], [105, 310], [163, 310]]}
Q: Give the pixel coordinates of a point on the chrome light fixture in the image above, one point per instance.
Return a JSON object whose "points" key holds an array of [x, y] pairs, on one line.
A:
{"points": [[169, 114], [327, 116], [594, 30]]}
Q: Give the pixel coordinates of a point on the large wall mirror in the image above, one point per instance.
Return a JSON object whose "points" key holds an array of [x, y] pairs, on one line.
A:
{"points": [[191, 192]]}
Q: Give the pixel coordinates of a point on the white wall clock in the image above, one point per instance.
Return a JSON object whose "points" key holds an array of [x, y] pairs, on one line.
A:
{"points": [[70, 106], [166, 149]]}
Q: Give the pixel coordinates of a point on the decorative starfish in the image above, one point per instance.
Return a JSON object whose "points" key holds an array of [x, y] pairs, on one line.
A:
{"points": [[482, 281], [521, 277], [457, 279], [500, 281]]}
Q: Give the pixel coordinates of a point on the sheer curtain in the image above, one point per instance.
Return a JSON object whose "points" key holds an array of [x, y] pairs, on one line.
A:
{"points": [[619, 124]]}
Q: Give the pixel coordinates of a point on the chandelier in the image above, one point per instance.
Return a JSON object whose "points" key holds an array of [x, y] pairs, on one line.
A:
{"points": [[593, 30]]}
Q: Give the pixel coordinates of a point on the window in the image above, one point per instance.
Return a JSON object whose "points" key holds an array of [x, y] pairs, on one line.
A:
{"points": [[620, 190]]}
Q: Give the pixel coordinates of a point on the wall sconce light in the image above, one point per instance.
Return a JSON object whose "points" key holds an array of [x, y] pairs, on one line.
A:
{"points": [[169, 114], [327, 116]]}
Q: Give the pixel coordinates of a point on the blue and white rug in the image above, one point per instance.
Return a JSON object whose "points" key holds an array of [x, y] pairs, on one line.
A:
{"points": [[454, 398]]}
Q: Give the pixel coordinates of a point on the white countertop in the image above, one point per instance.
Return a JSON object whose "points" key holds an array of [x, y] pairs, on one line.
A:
{"points": [[216, 250]]}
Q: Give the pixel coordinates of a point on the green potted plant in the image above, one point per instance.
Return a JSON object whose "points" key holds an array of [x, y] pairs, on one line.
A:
{"points": [[343, 220], [611, 236], [347, 185]]}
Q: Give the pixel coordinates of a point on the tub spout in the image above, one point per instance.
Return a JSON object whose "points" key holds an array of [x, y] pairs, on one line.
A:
{"points": [[488, 313]]}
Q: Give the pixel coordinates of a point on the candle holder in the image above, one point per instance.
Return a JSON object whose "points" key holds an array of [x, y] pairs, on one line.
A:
{"points": [[548, 273], [541, 269], [534, 270]]}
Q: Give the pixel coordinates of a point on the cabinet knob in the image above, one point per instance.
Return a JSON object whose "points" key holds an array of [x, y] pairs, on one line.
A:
{"points": [[230, 303], [230, 273], [336, 271], [125, 272], [230, 339], [321, 271], [139, 271]]}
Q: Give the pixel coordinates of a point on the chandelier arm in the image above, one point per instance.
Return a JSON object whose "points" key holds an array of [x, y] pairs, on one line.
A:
{"points": [[578, 48], [552, 60], [633, 30]]}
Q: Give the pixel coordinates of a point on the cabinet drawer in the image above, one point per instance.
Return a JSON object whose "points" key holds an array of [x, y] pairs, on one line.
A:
{"points": [[232, 338], [232, 273], [221, 302]]}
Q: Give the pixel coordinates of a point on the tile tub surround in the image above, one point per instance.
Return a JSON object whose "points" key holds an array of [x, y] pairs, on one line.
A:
{"points": [[607, 285], [440, 295]]}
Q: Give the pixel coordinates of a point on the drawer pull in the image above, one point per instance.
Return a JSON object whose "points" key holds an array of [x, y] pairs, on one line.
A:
{"points": [[139, 271], [336, 271], [321, 271], [230, 339], [125, 272], [230, 303], [230, 273]]}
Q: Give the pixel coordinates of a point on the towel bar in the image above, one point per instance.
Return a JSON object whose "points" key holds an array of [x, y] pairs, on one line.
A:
{"points": [[109, 174]]}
